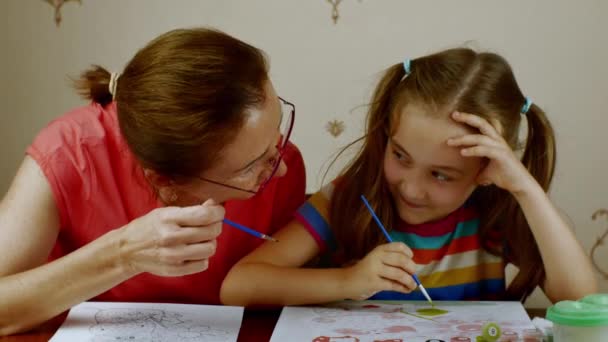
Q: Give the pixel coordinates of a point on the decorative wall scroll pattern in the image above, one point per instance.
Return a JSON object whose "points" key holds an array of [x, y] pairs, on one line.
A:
{"points": [[335, 12], [335, 127], [57, 4]]}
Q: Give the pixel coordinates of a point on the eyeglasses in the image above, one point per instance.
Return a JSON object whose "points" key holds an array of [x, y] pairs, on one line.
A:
{"points": [[288, 113]]}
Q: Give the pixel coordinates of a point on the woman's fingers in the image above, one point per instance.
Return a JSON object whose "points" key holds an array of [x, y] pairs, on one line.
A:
{"points": [[171, 235], [188, 267], [185, 253], [194, 216]]}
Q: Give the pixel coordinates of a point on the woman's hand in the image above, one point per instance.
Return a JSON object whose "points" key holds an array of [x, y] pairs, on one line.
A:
{"points": [[172, 241], [504, 169], [386, 268]]}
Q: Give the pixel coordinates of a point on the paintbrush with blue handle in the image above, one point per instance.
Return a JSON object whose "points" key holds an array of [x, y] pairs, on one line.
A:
{"points": [[249, 230], [369, 207]]}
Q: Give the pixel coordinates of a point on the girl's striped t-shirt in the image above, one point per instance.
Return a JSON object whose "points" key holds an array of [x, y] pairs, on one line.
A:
{"points": [[451, 262]]}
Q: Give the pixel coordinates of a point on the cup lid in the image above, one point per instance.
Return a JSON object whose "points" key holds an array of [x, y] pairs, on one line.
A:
{"points": [[598, 298], [590, 311]]}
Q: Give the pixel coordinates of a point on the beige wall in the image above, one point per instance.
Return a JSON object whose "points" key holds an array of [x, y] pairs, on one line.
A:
{"points": [[557, 48]]}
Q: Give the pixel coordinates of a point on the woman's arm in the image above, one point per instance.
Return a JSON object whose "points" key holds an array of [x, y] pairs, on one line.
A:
{"points": [[32, 292], [29, 224]]}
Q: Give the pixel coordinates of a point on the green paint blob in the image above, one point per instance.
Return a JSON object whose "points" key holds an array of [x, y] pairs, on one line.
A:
{"points": [[431, 312]]}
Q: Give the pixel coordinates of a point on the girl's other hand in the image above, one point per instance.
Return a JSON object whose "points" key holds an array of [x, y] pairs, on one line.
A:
{"points": [[504, 169]]}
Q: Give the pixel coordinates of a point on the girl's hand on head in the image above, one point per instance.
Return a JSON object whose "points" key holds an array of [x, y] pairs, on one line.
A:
{"points": [[172, 241], [504, 169], [386, 268]]}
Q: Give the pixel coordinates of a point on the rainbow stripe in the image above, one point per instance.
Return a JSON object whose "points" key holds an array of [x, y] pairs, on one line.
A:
{"points": [[451, 262]]}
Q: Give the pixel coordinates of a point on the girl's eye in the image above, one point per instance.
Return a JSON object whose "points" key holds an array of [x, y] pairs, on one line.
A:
{"points": [[441, 177]]}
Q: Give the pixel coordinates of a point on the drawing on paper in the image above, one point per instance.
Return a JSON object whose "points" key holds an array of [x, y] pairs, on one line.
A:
{"points": [[150, 325], [108, 321], [404, 321]]}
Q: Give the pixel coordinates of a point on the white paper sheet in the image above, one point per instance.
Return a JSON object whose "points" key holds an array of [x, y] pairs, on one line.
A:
{"points": [[104, 321], [376, 321]]}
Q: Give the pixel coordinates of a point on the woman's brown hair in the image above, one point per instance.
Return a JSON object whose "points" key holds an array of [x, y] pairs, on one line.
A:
{"points": [[456, 79], [182, 97]]}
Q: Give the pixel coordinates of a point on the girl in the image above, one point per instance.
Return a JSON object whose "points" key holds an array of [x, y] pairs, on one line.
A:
{"points": [[438, 165]]}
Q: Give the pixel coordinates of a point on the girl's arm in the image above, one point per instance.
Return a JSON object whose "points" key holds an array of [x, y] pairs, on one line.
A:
{"points": [[568, 268], [270, 274]]}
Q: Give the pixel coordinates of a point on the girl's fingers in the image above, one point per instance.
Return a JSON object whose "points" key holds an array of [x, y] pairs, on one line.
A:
{"points": [[478, 122], [481, 151], [366, 295], [398, 247], [399, 260], [398, 275], [390, 285], [473, 139]]}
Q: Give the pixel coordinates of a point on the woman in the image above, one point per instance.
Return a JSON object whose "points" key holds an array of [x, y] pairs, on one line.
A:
{"points": [[107, 202]]}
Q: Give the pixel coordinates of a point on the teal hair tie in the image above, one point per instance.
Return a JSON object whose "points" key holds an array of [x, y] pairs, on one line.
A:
{"points": [[407, 66], [526, 107]]}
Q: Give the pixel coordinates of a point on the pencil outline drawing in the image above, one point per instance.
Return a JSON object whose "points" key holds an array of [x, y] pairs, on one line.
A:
{"points": [[126, 324]]}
